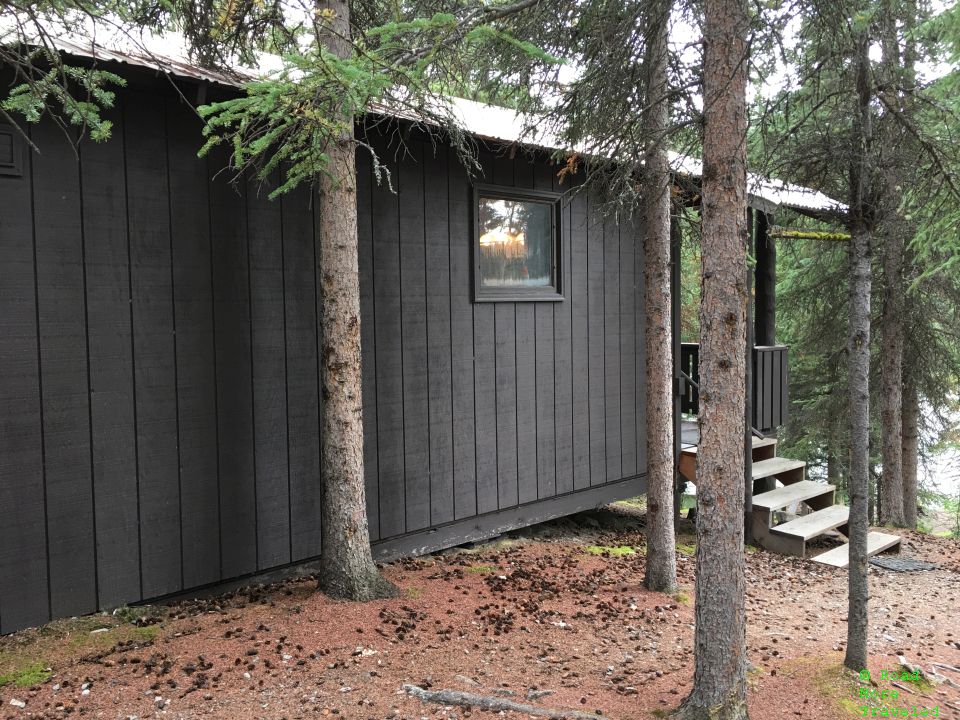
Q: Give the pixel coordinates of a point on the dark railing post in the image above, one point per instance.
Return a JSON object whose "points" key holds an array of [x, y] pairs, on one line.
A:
{"points": [[747, 392], [766, 276]]}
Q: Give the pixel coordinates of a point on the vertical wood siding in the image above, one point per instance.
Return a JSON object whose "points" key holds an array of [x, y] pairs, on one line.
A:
{"points": [[159, 406]]}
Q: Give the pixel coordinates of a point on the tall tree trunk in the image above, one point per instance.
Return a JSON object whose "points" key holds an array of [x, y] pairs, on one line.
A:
{"points": [[347, 567], [719, 681], [893, 229], [858, 360], [911, 448], [891, 376], [661, 570]]}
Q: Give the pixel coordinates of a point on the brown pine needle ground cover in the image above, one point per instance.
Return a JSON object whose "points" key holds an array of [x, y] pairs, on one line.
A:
{"points": [[555, 617]]}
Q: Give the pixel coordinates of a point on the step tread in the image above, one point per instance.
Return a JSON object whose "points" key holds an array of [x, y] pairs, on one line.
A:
{"points": [[757, 443], [839, 556], [789, 494], [775, 466], [816, 523]]}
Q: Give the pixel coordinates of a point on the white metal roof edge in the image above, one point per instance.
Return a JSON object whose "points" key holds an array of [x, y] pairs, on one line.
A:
{"points": [[167, 54]]}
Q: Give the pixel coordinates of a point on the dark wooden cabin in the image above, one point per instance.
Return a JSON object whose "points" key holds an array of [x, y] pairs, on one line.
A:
{"points": [[159, 404]]}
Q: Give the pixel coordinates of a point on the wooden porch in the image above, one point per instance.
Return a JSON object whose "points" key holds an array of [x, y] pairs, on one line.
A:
{"points": [[783, 510]]}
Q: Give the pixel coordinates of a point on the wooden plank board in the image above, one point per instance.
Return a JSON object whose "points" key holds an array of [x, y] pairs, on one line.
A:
{"points": [[437, 235], [814, 524], [368, 344], [195, 350], [505, 383], [563, 351], [580, 342], [461, 332], [775, 466], [303, 393], [611, 349], [526, 418], [109, 337], [545, 352], [23, 534], [839, 556], [390, 412], [757, 443], [528, 361], [640, 354], [268, 366], [231, 312], [544, 389], [629, 375], [154, 345], [789, 494], [64, 374], [505, 331], [485, 382], [413, 326], [596, 277]]}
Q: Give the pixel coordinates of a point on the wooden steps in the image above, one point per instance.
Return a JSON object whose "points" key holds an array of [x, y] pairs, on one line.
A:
{"points": [[791, 537], [839, 556], [815, 524], [777, 466], [764, 449], [789, 494], [757, 444]]}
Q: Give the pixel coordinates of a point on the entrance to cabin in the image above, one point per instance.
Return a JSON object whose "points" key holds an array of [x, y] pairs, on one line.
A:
{"points": [[785, 511]]}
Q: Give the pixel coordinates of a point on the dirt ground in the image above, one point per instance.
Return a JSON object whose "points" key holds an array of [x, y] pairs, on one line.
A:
{"points": [[555, 617]]}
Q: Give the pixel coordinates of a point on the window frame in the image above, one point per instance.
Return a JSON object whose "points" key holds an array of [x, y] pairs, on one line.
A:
{"points": [[538, 293], [14, 168]]}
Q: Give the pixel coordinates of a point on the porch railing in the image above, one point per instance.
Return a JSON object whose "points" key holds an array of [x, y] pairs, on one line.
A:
{"points": [[770, 391]]}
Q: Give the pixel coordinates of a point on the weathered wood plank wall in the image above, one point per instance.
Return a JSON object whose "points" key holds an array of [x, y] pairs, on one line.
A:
{"points": [[159, 406]]}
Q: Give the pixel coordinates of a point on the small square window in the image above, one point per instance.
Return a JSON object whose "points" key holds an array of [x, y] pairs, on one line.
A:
{"points": [[11, 153], [516, 237]]}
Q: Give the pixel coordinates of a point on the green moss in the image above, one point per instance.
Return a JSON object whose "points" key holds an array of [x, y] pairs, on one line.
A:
{"points": [[33, 674], [638, 503], [617, 551], [840, 686], [681, 598], [686, 548], [412, 593], [480, 569]]}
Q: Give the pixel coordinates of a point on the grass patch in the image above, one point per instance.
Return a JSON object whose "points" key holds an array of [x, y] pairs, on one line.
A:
{"points": [[615, 551], [686, 544], [33, 674], [635, 503], [840, 686], [480, 569], [28, 658], [681, 598], [412, 593]]}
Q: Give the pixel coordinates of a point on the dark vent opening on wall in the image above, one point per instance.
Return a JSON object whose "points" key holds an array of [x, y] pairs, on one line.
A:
{"points": [[11, 154]]}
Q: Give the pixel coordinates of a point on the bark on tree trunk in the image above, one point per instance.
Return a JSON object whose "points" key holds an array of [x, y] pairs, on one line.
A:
{"points": [[859, 398], [911, 447], [661, 568], [347, 567], [719, 682], [891, 377], [858, 363]]}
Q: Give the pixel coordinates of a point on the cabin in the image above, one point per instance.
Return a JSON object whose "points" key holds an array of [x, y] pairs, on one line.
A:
{"points": [[159, 400]]}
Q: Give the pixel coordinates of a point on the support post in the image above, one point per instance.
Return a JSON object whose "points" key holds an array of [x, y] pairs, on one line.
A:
{"points": [[765, 326], [748, 390]]}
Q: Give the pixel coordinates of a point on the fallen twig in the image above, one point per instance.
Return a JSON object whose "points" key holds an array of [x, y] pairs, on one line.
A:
{"points": [[495, 704], [903, 687]]}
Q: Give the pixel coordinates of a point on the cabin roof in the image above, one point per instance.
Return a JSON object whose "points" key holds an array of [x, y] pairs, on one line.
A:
{"points": [[167, 54]]}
